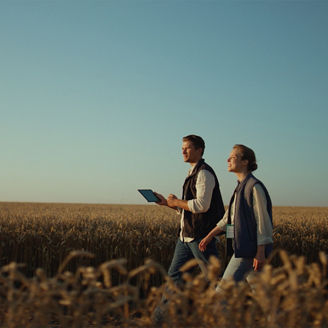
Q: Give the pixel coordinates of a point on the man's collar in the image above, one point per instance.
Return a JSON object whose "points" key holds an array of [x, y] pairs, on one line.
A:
{"points": [[192, 169]]}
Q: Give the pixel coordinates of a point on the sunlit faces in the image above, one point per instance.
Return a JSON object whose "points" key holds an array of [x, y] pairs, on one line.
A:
{"points": [[235, 163], [190, 153]]}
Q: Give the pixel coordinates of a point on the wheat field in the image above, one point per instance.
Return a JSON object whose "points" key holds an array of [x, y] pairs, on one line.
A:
{"points": [[80, 265]]}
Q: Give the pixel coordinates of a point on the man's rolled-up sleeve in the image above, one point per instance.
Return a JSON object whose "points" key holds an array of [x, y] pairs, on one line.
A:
{"points": [[204, 188]]}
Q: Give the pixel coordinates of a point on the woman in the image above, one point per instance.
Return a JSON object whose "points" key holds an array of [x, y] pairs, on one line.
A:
{"points": [[248, 220]]}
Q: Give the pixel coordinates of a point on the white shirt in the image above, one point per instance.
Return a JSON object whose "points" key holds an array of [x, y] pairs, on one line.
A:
{"points": [[205, 184], [263, 221]]}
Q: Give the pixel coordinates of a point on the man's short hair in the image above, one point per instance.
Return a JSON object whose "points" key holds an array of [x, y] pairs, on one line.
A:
{"points": [[197, 141]]}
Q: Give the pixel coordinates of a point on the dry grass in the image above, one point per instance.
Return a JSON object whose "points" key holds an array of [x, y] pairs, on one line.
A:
{"points": [[102, 291]]}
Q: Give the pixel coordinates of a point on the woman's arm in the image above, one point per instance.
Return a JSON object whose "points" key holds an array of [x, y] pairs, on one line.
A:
{"points": [[205, 241], [264, 226]]}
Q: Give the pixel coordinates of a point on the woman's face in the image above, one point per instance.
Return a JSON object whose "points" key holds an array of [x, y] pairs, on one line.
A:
{"points": [[235, 163]]}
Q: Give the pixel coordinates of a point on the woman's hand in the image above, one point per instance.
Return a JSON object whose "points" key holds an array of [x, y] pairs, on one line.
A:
{"points": [[258, 264], [259, 259], [204, 242]]}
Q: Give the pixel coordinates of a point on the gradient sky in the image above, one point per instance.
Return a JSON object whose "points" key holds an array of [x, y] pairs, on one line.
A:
{"points": [[95, 96]]}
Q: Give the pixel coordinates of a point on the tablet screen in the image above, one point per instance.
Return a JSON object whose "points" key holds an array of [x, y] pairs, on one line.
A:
{"points": [[149, 195]]}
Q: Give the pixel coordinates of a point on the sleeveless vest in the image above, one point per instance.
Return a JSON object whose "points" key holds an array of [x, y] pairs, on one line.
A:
{"points": [[245, 227], [198, 225]]}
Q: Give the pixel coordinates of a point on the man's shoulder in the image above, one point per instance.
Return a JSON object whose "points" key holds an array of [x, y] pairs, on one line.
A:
{"points": [[207, 168], [206, 173]]}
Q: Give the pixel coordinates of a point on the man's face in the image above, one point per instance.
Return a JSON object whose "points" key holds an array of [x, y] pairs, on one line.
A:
{"points": [[235, 163], [190, 153]]}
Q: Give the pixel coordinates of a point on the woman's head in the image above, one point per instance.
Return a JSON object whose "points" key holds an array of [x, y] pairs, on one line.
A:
{"points": [[245, 154]]}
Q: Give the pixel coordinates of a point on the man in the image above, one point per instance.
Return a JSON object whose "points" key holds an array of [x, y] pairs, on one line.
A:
{"points": [[201, 207]]}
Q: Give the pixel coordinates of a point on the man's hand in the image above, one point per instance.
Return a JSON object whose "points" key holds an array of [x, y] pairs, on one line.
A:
{"points": [[162, 200], [171, 200]]}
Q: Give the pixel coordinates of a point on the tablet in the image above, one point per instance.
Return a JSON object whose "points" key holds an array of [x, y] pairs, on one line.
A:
{"points": [[149, 195]]}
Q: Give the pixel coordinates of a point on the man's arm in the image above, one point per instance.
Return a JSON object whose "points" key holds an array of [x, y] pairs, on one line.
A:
{"points": [[204, 187], [163, 202], [174, 202]]}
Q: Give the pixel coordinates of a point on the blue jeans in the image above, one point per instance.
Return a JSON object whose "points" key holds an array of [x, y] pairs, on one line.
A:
{"points": [[186, 251], [238, 268], [183, 253]]}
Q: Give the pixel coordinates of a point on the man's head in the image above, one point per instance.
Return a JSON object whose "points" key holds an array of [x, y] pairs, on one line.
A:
{"points": [[192, 148]]}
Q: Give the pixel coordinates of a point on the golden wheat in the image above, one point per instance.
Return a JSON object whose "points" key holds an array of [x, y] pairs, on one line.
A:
{"points": [[42, 235], [93, 270]]}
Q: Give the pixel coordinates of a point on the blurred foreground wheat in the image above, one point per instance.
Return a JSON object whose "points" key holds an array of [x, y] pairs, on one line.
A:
{"points": [[293, 295]]}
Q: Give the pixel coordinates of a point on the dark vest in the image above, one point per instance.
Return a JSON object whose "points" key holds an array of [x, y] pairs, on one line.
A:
{"points": [[245, 228], [200, 224]]}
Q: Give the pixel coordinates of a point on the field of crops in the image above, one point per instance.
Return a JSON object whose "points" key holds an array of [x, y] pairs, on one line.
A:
{"points": [[123, 251]]}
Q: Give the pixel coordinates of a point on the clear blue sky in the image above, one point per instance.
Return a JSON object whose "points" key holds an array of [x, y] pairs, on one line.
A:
{"points": [[95, 96]]}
